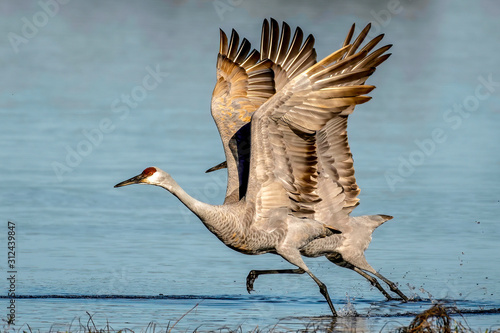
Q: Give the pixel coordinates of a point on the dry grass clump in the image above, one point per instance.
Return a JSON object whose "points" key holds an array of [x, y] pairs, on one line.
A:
{"points": [[434, 320]]}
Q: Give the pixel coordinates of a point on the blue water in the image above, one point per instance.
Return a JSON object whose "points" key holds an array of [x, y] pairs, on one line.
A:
{"points": [[67, 136]]}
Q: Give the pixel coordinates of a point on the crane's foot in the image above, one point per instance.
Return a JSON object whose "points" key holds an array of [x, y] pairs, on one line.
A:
{"points": [[404, 298], [394, 288], [253, 275], [250, 280]]}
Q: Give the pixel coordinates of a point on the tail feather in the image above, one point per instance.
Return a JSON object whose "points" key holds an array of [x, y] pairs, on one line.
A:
{"points": [[356, 241], [385, 217], [374, 221]]}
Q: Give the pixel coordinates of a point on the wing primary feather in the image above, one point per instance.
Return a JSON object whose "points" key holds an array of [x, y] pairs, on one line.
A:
{"points": [[223, 43], [274, 42], [301, 55], [284, 41], [372, 56], [294, 47], [264, 40], [242, 51], [359, 40], [301, 62], [233, 45], [347, 40], [251, 60], [379, 60], [371, 44]]}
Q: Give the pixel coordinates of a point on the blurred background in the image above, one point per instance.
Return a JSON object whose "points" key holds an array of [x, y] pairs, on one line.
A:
{"points": [[93, 92]]}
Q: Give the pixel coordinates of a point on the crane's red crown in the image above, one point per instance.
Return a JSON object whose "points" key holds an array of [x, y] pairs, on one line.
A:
{"points": [[148, 172]]}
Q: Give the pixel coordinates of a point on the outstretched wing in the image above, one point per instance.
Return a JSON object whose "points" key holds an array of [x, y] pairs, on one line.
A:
{"points": [[243, 84], [300, 155], [335, 158]]}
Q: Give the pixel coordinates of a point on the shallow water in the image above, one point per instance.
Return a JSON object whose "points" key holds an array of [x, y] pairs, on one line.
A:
{"points": [[77, 235]]}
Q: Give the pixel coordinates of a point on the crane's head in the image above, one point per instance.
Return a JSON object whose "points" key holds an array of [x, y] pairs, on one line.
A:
{"points": [[150, 176]]}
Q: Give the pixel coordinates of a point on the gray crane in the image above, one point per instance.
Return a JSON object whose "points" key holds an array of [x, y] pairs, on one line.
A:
{"points": [[282, 118]]}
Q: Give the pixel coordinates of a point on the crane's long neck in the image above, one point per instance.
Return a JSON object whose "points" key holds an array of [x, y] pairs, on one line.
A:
{"points": [[217, 219], [199, 208]]}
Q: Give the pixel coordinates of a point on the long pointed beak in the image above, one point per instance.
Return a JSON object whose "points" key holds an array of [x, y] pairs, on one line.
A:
{"points": [[134, 180]]}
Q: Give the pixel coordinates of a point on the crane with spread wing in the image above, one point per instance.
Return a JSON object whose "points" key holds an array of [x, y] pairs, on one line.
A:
{"points": [[282, 117]]}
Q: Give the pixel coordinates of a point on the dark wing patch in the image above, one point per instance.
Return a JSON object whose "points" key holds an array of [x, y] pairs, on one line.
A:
{"points": [[242, 141]]}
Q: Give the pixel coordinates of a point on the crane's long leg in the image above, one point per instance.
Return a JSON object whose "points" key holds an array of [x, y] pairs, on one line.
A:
{"points": [[324, 291], [339, 261], [391, 285], [293, 256], [254, 274], [373, 281]]}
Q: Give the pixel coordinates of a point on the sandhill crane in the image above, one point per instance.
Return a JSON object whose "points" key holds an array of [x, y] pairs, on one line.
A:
{"points": [[282, 118], [275, 50]]}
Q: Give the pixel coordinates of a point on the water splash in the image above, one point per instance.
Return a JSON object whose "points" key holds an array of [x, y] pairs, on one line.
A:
{"points": [[415, 297], [348, 310]]}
